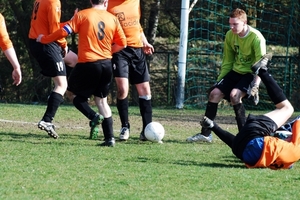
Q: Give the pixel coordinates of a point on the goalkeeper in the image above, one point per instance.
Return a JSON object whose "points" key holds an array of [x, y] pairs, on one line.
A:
{"points": [[255, 144], [243, 47]]}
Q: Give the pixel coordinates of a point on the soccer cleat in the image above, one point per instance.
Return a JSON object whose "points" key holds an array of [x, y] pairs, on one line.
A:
{"points": [[200, 138], [143, 137], [262, 63], [206, 122], [98, 119], [108, 142], [124, 133], [49, 128]]}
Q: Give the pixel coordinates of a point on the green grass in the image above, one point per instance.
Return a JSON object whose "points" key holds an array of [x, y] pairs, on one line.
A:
{"points": [[34, 166]]}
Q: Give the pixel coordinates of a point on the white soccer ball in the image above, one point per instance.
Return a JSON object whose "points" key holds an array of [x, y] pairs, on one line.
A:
{"points": [[155, 132]]}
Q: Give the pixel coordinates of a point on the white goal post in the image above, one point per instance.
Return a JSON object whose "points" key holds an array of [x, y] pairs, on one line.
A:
{"points": [[184, 21]]}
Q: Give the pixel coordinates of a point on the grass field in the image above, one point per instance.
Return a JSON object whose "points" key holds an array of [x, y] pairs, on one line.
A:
{"points": [[34, 166]]}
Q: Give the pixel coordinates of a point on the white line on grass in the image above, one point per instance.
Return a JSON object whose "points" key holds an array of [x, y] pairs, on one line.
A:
{"points": [[23, 122]]}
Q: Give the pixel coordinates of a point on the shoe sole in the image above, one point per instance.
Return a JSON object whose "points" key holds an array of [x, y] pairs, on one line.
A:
{"points": [[50, 133]]}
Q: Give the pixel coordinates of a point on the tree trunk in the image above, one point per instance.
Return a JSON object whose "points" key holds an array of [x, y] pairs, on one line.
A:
{"points": [[153, 21]]}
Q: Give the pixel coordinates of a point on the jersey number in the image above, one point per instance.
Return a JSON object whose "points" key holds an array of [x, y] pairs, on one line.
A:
{"points": [[60, 66], [101, 33]]}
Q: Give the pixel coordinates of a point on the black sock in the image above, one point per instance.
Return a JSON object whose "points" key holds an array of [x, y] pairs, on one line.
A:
{"points": [[225, 136], [122, 105], [54, 102], [240, 115], [210, 112], [107, 127], [274, 91], [83, 106], [145, 111]]}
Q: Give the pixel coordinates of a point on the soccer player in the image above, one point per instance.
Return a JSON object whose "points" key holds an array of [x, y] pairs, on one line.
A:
{"points": [[130, 66], [243, 47], [100, 35], [254, 143], [45, 20], [9, 51]]}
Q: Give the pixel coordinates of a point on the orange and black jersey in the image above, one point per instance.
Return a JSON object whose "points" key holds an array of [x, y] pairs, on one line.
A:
{"points": [[97, 29], [45, 19], [128, 13], [5, 42], [280, 154]]}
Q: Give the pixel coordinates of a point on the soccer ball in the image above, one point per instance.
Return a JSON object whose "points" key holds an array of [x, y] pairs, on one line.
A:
{"points": [[154, 132]]}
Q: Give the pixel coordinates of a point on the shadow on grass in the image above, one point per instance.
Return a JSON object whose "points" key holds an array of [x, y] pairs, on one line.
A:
{"points": [[236, 163], [43, 138], [136, 140]]}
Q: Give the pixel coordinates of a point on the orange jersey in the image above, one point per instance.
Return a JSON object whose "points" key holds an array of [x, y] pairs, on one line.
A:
{"points": [[128, 13], [45, 19], [280, 154], [5, 42], [97, 29]]}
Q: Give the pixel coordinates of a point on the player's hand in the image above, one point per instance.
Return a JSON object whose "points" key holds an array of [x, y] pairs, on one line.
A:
{"points": [[17, 76], [39, 38], [148, 49], [253, 91]]}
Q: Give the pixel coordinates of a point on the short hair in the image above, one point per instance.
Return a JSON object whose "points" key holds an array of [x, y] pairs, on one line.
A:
{"points": [[239, 13], [96, 2]]}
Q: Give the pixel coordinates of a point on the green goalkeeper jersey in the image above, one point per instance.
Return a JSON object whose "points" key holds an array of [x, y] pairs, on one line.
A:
{"points": [[240, 53]]}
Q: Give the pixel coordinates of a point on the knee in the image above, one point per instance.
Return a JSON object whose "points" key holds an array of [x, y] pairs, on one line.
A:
{"points": [[235, 97], [215, 95]]}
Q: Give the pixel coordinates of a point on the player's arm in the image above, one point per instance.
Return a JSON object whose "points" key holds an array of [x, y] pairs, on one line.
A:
{"points": [[119, 41], [60, 33], [147, 47], [10, 54], [9, 51]]}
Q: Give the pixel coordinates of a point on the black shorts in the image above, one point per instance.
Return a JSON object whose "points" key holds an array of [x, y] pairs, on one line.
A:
{"points": [[92, 78], [49, 58], [234, 80], [131, 63], [255, 126]]}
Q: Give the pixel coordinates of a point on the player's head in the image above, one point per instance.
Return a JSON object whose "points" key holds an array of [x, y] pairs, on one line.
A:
{"points": [[237, 20]]}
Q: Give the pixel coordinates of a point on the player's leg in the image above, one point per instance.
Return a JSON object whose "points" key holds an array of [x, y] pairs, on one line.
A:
{"points": [[225, 136], [122, 106], [236, 96], [215, 97], [145, 105], [81, 103], [100, 96], [71, 59], [82, 82], [140, 77], [107, 123], [284, 109], [238, 92], [52, 65], [120, 62], [221, 90]]}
